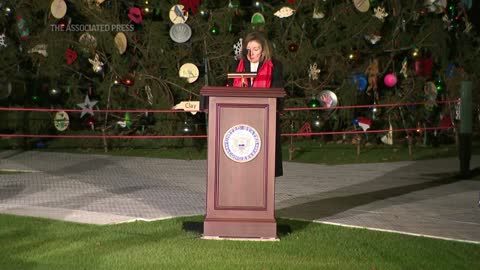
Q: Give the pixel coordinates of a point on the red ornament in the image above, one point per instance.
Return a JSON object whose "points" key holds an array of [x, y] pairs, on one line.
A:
{"points": [[190, 5], [70, 56], [291, 1], [135, 14]]}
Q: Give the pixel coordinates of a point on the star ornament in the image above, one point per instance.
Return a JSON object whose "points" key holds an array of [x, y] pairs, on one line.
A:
{"points": [[380, 13], [87, 106]]}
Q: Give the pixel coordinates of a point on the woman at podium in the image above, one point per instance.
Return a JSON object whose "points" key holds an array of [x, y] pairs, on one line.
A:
{"points": [[257, 58]]}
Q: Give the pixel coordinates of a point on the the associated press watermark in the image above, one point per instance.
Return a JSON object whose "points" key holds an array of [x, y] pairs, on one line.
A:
{"points": [[92, 28]]}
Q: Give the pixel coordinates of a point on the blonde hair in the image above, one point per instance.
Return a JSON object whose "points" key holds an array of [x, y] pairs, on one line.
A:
{"points": [[263, 41]]}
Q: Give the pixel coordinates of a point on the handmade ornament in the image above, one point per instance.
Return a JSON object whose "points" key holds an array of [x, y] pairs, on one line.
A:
{"points": [[388, 138], [468, 26], [178, 14], [189, 71], [373, 38], [40, 49], [380, 13], [148, 91], [362, 5], [257, 19], [127, 122], [430, 91], [190, 5], [70, 56], [121, 42], [97, 65], [364, 123], [390, 80], [22, 28], [3, 40], [135, 14], [372, 75], [87, 106], [317, 14], [237, 49], [58, 8], [284, 12], [88, 41], [61, 121], [190, 106], [313, 72], [328, 99], [180, 32]]}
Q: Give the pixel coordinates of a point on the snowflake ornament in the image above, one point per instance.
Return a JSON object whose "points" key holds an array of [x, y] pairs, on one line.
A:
{"points": [[3, 42], [237, 48], [97, 65], [313, 72], [380, 13], [404, 68]]}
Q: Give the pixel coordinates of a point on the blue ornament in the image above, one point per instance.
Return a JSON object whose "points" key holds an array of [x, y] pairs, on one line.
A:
{"points": [[355, 121], [360, 80], [450, 70]]}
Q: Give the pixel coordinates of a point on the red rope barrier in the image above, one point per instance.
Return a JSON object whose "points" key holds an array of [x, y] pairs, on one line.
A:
{"points": [[305, 134], [180, 111]]}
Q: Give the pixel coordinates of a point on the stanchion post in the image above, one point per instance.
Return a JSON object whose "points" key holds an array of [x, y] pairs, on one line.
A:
{"points": [[465, 135]]}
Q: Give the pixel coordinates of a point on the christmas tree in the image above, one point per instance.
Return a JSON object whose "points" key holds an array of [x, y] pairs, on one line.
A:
{"points": [[151, 55]]}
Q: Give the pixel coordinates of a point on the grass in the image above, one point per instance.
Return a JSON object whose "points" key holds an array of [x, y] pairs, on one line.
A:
{"points": [[33, 243]]}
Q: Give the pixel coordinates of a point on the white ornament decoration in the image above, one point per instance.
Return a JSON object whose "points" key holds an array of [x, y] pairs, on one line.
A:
{"points": [[3, 42], [97, 65], [40, 49], [380, 13], [318, 14], [373, 39], [237, 48], [284, 12], [148, 91], [87, 106], [313, 72]]}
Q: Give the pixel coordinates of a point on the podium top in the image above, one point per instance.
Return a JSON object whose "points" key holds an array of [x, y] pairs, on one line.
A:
{"points": [[229, 91]]}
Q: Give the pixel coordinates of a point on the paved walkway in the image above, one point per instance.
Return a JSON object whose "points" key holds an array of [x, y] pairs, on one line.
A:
{"points": [[421, 197]]}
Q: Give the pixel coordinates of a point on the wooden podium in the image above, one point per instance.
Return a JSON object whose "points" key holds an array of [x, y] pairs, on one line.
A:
{"points": [[241, 162]]}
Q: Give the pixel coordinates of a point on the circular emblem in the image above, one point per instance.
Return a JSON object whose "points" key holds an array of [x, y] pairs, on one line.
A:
{"points": [[61, 121], [241, 143]]}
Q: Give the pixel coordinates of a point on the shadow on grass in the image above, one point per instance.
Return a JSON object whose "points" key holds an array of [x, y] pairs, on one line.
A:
{"points": [[284, 227]]}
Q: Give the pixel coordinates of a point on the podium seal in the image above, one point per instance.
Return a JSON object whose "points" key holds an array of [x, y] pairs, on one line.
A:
{"points": [[241, 143]]}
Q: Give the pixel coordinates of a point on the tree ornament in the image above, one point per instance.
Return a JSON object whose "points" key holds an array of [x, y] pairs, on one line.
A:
{"points": [[318, 14], [178, 14], [364, 123], [257, 19], [87, 106], [284, 12], [373, 38], [313, 72], [293, 47], [404, 68], [40, 49], [372, 75], [237, 49], [61, 121], [362, 5], [190, 5], [127, 122], [360, 80], [70, 56], [380, 13], [3, 40], [97, 65], [390, 80], [22, 28], [328, 99], [135, 14], [58, 8], [423, 66]]}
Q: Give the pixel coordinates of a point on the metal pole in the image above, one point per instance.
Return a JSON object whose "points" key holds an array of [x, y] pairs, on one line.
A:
{"points": [[465, 135]]}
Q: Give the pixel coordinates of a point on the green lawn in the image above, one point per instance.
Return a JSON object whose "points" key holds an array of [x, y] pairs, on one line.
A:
{"points": [[32, 243]]}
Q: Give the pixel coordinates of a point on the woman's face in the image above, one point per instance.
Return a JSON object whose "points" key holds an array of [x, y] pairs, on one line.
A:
{"points": [[254, 51]]}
